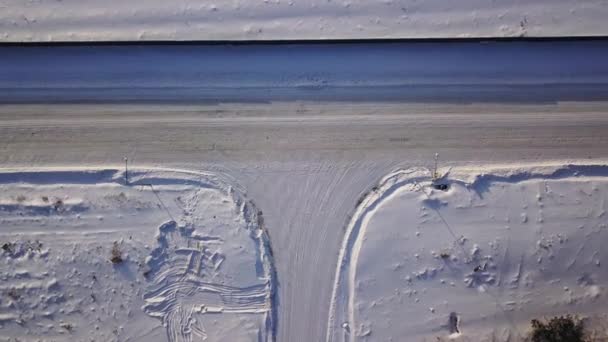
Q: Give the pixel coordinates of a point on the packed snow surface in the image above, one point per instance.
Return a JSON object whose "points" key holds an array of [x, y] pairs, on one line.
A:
{"points": [[473, 255], [172, 256], [90, 20]]}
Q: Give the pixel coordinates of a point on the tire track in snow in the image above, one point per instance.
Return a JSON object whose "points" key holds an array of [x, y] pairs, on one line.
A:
{"points": [[308, 203]]}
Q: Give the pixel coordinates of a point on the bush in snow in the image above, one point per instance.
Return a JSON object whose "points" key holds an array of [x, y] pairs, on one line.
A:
{"points": [[116, 256], [558, 329]]}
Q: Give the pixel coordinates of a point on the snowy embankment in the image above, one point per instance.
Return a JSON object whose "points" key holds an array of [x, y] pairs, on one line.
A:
{"points": [[474, 261], [94, 20], [172, 256]]}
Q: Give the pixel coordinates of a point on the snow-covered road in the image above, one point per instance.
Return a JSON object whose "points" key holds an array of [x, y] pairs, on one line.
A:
{"points": [[302, 133]]}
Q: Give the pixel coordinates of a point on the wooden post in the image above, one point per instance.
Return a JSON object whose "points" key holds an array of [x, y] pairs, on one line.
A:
{"points": [[126, 172], [435, 175]]}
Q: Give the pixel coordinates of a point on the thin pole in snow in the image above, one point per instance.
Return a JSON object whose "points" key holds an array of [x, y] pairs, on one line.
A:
{"points": [[435, 175], [126, 172]]}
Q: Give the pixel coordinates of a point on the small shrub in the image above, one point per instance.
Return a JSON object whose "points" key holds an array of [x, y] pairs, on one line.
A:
{"points": [[453, 323], [58, 205], [9, 247], [14, 294], [67, 326], [558, 329], [116, 255]]}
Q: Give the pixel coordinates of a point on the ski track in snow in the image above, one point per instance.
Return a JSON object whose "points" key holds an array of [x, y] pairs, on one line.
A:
{"points": [[210, 275], [503, 283]]}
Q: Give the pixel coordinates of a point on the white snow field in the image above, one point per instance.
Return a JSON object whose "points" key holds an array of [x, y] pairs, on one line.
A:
{"points": [[474, 262], [95, 20], [172, 256]]}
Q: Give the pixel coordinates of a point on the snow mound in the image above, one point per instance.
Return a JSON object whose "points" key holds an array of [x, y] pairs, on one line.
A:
{"points": [[172, 256], [473, 255]]}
